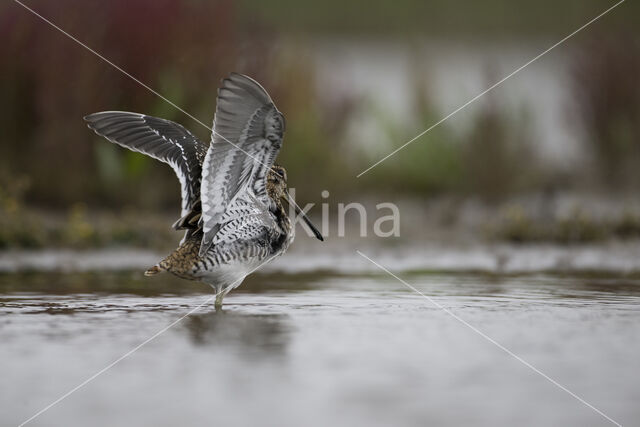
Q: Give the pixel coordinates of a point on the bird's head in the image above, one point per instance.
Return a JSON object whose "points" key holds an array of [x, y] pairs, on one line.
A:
{"points": [[277, 182], [277, 189]]}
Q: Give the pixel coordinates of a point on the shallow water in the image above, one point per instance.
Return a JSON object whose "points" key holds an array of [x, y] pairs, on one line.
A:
{"points": [[320, 349]]}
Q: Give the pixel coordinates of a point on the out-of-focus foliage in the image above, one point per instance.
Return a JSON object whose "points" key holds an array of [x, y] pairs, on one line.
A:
{"points": [[17, 226], [493, 159], [76, 226], [314, 146], [606, 85], [181, 49], [435, 18], [49, 83], [49, 159], [516, 225]]}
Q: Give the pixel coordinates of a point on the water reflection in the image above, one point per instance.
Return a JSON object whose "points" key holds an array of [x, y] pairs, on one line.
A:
{"points": [[325, 342], [253, 334]]}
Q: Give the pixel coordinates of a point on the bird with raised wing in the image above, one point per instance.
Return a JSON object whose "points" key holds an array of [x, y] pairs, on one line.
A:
{"points": [[232, 192]]}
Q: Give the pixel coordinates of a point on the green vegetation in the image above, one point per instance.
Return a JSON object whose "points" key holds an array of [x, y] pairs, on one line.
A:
{"points": [[493, 159], [77, 227], [57, 176], [515, 225]]}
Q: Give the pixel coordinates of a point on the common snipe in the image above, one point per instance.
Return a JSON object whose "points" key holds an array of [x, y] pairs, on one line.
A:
{"points": [[232, 191]]}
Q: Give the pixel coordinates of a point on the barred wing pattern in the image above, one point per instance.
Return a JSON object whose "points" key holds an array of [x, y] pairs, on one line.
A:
{"points": [[246, 236], [161, 139], [245, 219], [247, 136]]}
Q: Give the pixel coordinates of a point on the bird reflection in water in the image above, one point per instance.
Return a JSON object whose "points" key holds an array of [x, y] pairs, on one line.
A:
{"points": [[253, 334]]}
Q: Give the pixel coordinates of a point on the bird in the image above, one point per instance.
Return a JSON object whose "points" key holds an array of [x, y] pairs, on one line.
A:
{"points": [[232, 211]]}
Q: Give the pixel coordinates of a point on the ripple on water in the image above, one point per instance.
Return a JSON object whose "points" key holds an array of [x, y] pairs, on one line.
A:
{"points": [[347, 349]]}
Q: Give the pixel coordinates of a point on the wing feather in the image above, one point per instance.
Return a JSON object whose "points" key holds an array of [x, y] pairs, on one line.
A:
{"points": [[247, 136], [161, 139]]}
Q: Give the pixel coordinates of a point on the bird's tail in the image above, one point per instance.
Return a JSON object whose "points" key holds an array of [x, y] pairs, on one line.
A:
{"points": [[153, 270]]}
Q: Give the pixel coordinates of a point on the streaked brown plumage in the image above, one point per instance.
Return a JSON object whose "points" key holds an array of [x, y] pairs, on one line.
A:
{"points": [[181, 262], [232, 211]]}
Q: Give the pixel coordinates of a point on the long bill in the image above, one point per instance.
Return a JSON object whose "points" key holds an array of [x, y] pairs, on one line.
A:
{"points": [[305, 218]]}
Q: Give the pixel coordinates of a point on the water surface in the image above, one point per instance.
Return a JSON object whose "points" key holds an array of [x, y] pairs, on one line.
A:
{"points": [[320, 349]]}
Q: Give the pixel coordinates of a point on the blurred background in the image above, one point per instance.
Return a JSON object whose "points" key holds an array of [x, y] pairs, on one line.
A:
{"points": [[553, 154], [520, 214]]}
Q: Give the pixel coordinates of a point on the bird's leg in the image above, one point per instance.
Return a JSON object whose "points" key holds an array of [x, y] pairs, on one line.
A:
{"points": [[219, 296]]}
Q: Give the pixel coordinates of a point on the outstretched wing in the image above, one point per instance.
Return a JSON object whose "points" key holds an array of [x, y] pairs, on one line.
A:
{"points": [[247, 136], [161, 139]]}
